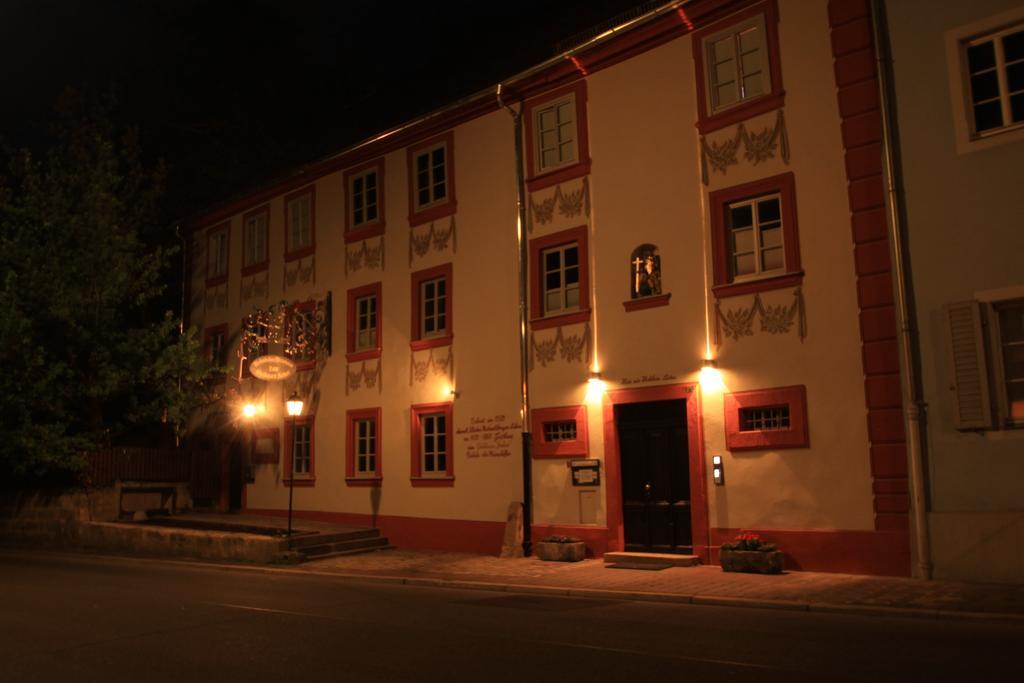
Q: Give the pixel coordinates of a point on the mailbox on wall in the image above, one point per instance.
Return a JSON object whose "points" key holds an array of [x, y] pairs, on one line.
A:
{"points": [[586, 472]]}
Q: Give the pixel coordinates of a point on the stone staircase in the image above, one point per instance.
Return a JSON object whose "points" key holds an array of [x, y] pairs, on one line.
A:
{"points": [[648, 561], [319, 545]]}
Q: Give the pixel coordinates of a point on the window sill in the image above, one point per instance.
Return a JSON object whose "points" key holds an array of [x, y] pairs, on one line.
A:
{"points": [[432, 213], [255, 268], [304, 482], [559, 320], [364, 481], [300, 253], [742, 112], [646, 302], [762, 285], [427, 482], [364, 232], [369, 354], [431, 343], [558, 175], [215, 281]]}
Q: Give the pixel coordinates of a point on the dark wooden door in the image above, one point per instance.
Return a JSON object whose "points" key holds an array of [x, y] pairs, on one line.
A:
{"points": [[655, 476]]}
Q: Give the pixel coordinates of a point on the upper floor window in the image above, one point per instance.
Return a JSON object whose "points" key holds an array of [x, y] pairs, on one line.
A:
{"points": [[215, 343], [738, 69], [995, 72], [364, 190], [364, 314], [559, 281], [754, 236], [217, 255], [254, 240], [299, 223], [556, 131], [432, 307], [431, 179]]}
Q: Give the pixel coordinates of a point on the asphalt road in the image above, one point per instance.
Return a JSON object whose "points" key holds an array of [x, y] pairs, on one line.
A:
{"points": [[80, 618]]}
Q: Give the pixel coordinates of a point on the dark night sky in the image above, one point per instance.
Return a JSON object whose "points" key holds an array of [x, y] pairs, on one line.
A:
{"points": [[232, 93]]}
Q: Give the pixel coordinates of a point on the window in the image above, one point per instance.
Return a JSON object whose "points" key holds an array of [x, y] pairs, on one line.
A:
{"points": [[645, 279], [559, 432], [217, 255], [363, 447], [766, 419], [754, 236], [556, 133], [431, 179], [432, 455], [986, 340], [738, 70], [364, 190], [215, 344], [299, 220], [364, 315], [254, 240], [995, 74], [559, 282], [265, 446], [432, 307], [300, 459]]}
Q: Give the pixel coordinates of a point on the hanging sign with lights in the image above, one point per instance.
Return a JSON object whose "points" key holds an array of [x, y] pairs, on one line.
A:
{"points": [[272, 368], [275, 339]]}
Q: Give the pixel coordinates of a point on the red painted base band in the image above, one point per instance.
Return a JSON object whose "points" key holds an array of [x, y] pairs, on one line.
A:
{"points": [[883, 553]]}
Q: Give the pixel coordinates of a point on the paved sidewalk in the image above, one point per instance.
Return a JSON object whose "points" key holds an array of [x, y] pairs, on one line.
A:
{"points": [[700, 585]]}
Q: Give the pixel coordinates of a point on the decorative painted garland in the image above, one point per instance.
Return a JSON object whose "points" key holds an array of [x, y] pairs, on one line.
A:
{"points": [[365, 256], [757, 147], [436, 237], [418, 370], [569, 205], [739, 322], [570, 348], [254, 286], [355, 379], [300, 274]]}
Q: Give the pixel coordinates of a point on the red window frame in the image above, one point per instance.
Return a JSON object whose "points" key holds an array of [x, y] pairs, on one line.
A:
{"points": [[371, 228], [435, 211], [272, 433], [559, 449], [797, 436], [351, 478], [220, 278], [537, 246], [254, 268], [351, 314], [774, 99], [785, 186], [289, 442], [538, 180], [292, 254], [295, 308], [417, 343], [416, 474]]}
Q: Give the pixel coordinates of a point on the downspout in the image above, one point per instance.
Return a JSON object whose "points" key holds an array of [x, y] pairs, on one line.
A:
{"points": [[912, 399], [524, 349], [181, 318]]}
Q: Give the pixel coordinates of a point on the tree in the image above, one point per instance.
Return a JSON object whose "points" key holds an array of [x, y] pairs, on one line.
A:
{"points": [[85, 359]]}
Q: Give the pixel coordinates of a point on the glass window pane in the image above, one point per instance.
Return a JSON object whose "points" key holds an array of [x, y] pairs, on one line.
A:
{"points": [[442, 460], [750, 40], [438, 157], [1011, 323], [984, 86], [440, 284], [1013, 361], [724, 73], [423, 197], [572, 297], [771, 238], [742, 241], [572, 275], [440, 192], [567, 151], [981, 57], [549, 158], [565, 112], [751, 63], [571, 256], [988, 116], [1017, 108], [547, 119], [772, 259], [722, 50], [768, 211], [552, 260], [741, 216], [553, 280], [548, 139], [553, 301], [1013, 46], [422, 161], [371, 181], [744, 265], [1015, 77], [752, 85], [439, 174]]}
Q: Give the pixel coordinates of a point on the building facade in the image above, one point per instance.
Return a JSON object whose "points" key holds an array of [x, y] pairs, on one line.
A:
{"points": [[959, 99], [710, 340]]}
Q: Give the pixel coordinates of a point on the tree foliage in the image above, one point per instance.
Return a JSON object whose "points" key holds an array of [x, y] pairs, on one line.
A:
{"points": [[86, 358]]}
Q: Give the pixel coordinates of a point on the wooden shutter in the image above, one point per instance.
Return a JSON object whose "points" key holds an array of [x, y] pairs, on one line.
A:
{"points": [[969, 373]]}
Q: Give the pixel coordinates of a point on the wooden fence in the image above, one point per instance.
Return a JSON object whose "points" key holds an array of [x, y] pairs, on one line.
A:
{"points": [[197, 468]]}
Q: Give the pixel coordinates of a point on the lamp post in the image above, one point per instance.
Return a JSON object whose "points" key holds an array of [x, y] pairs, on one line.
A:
{"points": [[294, 406]]}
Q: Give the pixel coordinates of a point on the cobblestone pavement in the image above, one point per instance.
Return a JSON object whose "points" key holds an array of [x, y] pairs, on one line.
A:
{"points": [[804, 588]]}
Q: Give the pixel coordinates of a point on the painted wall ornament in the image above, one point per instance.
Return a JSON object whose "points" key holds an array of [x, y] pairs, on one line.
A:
{"points": [[364, 255], [569, 205], [575, 348], [304, 271], [354, 379], [737, 323], [440, 365], [438, 238], [645, 272], [255, 286], [757, 147], [216, 297]]}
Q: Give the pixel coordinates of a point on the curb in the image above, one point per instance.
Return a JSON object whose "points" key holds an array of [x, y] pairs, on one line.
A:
{"points": [[597, 593]]}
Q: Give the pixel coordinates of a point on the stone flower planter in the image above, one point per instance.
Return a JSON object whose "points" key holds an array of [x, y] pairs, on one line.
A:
{"points": [[753, 561], [561, 552]]}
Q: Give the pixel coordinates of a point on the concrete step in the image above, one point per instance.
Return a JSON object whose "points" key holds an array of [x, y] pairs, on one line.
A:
{"points": [[343, 546], [624, 560], [306, 539], [355, 551]]}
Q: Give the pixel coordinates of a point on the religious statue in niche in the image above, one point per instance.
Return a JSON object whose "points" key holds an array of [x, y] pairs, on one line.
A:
{"points": [[645, 272]]}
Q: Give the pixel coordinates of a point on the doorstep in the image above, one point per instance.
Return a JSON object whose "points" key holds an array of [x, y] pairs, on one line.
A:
{"points": [[649, 561]]}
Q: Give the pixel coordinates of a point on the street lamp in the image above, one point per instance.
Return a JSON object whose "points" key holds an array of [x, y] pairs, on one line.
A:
{"points": [[294, 407]]}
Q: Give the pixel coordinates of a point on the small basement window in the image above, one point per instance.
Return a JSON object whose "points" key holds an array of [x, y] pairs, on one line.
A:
{"points": [[563, 430], [767, 418]]}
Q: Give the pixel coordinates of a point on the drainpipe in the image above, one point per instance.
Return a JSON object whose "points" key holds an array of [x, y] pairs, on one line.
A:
{"points": [[524, 350], [181, 318], [909, 350]]}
